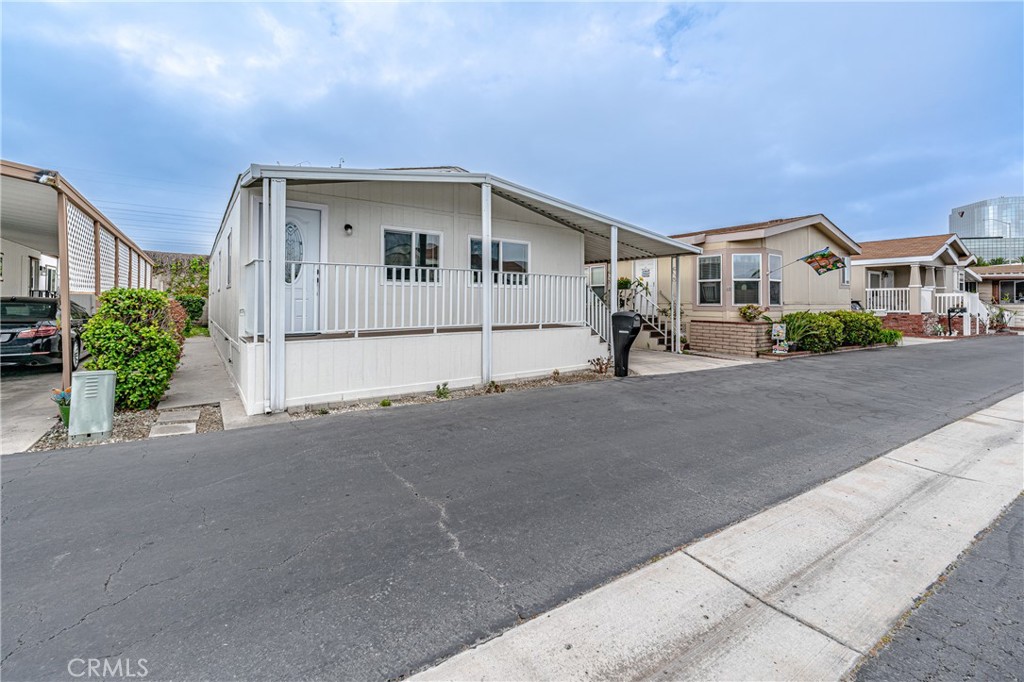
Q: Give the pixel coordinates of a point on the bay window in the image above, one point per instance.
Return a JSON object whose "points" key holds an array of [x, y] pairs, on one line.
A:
{"points": [[746, 279], [774, 279], [709, 280]]}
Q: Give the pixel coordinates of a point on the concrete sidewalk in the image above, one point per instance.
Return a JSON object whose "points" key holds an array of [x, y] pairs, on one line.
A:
{"points": [[802, 590], [654, 362], [26, 410], [200, 378]]}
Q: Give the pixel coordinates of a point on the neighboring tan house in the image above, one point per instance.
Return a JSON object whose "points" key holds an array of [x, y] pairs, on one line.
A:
{"points": [[331, 284], [741, 265], [913, 282], [1003, 285]]}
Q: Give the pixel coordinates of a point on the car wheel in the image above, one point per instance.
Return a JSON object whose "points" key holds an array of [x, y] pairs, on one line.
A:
{"points": [[76, 354]]}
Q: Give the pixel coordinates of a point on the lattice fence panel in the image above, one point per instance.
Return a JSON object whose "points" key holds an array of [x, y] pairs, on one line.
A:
{"points": [[81, 251], [107, 246], [123, 256]]}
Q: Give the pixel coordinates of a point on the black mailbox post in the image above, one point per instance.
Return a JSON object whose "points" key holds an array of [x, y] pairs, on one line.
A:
{"points": [[625, 327], [949, 317]]}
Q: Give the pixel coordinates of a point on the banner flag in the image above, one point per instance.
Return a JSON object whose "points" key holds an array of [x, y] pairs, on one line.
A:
{"points": [[824, 261]]}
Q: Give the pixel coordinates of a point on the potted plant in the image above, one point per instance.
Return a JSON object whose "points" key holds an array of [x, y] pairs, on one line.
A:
{"points": [[62, 396]]}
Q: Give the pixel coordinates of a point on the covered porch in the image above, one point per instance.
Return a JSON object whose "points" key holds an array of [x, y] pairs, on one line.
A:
{"points": [[528, 308]]}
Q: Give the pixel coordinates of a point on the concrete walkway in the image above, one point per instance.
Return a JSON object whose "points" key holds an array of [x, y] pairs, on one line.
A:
{"points": [[26, 411], [800, 591], [653, 362], [200, 378]]}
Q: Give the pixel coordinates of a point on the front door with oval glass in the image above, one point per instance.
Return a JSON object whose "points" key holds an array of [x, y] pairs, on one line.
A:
{"points": [[302, 272]]}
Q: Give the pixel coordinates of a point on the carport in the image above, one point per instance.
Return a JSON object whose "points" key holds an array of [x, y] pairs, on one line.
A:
{"points": [[41, 212]]}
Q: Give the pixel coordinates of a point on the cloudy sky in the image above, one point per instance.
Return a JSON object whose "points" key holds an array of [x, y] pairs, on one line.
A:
{"points": [[675, 117]]}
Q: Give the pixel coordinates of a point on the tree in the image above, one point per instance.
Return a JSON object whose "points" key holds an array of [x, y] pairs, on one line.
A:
{"points": [[998, 261]]}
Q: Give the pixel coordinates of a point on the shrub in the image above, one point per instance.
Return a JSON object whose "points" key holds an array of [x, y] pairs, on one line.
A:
{"points": [[752, 313], [891, 337], [442, 391], [859, 328], [386, 402], [193, 305], [600, 365], [132, 335], [180, 323], [816, 332]]}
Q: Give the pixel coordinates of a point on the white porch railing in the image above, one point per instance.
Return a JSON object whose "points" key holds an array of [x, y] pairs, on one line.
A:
{"points": [[890, 299], [350, 298], [648, 309], [943, 302], [599, 315]]}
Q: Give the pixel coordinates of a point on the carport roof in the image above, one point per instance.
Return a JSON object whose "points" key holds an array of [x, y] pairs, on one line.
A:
{"points": [[634, 241], [28, 211]]}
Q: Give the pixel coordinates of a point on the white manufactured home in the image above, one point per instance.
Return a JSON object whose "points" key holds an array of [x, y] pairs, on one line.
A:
{"points": [[332, 284]]}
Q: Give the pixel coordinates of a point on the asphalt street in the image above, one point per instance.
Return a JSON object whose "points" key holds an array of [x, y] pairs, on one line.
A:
{"points": [[371, 544], [972, 626]]}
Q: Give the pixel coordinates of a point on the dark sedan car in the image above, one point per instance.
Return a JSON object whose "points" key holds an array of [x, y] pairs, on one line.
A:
{"points": [[30, 331]]}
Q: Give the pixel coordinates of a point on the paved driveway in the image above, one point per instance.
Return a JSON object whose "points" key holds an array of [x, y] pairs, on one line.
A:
{"points": [[369, 544], [26, 411]]}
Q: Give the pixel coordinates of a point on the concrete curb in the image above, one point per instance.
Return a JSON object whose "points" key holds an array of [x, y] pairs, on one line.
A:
{"points": [[800, 591]]}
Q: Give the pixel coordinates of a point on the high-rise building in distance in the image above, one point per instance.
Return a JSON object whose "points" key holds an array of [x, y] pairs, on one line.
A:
{"points": [[993, 228]]}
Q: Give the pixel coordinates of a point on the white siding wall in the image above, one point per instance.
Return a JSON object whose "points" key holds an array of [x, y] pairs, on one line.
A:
{"points": [[333, 370], [326, 370]]}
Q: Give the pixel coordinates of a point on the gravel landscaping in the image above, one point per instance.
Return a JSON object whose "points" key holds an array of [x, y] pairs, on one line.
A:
{"points": [[128, 425], [554, 379]]}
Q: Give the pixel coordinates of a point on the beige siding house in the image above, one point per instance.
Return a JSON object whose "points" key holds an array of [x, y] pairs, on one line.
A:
{"points": [[914, 281], [331, 284], [740, 265], [1003, 285]]}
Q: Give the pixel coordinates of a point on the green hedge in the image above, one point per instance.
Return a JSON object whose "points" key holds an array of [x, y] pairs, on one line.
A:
{"points": [[816, 332], [132, 334], [193, 305], [859, 328]]}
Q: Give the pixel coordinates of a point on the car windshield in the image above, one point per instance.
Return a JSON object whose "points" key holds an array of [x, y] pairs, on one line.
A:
{"points": [[27, 311]]}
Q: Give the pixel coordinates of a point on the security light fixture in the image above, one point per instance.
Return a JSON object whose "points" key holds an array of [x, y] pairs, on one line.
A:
{"points": [[348, 230]]}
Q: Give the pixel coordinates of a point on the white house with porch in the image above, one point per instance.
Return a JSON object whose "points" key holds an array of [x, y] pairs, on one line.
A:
{"points": [[333, 284], [915, 281]]}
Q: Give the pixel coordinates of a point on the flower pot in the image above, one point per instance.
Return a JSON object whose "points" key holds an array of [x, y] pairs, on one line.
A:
{"points": [[65, 413]]}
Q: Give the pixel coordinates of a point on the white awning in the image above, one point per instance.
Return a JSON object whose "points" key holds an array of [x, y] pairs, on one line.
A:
{"points": [[634, 242]]}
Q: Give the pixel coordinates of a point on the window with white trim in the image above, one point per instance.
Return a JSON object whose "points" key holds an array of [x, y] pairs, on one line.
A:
{"points": [[510, 260], [774, 279], [709, 280], [746, 279], [413, 256], [961, 280], [598, 278], [844, 273]]}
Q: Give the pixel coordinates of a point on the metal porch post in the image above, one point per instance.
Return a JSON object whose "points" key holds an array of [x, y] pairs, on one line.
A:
{"points": [[676, 346], [613, 274], [487, 285], [65, 288], [276, 321]]}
